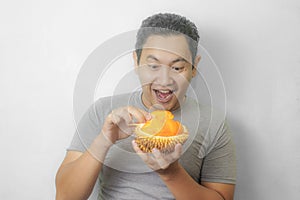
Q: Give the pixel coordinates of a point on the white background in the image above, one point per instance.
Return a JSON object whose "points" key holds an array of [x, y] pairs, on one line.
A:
{"points": [[256, 45]]}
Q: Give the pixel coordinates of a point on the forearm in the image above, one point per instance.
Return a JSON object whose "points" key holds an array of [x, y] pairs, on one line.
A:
{"points": [[76, 179], [184, 187]]}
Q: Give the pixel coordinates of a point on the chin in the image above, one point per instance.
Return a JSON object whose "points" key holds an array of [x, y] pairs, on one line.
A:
{"points": [[166, 106]]}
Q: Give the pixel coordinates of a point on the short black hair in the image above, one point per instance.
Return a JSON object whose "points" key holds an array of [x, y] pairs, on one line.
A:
{"points": [[167, 24]]}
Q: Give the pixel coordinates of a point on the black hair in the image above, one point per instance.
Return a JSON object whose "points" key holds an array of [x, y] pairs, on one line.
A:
{"points": [[167, 24]]}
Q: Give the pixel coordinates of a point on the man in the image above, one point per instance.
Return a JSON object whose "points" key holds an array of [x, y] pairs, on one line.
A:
{"points": [[204, 168]]}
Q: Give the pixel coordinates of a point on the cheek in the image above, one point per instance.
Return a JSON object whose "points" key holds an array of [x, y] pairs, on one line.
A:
{"points": [[183, 81], [145, 78]]}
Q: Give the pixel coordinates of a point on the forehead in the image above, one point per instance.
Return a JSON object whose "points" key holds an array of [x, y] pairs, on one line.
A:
{"points": [[173, 45]]}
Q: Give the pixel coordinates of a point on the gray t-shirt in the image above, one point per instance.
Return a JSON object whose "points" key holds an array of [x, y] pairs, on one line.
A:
{"points": [[208, 154]]}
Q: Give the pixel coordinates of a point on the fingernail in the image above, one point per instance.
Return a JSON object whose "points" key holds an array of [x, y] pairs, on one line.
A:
{"points": [[134, 143], [148, 116]]}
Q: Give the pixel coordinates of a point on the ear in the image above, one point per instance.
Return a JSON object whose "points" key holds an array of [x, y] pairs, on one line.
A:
{"points": [[134, 56], [196, 62]]}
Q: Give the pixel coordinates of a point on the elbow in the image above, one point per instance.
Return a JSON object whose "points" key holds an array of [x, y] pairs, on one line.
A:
{"points": [[64, 192], [61, 194]]}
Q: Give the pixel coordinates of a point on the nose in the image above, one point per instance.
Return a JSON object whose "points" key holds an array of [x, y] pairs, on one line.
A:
{"points": [[164, 77]]}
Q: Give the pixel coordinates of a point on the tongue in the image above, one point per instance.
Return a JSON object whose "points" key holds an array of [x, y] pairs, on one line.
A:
{"points": [[163, 95]]}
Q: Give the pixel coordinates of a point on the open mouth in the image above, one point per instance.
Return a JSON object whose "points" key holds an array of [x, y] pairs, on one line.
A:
{"points": [[164, 96]]}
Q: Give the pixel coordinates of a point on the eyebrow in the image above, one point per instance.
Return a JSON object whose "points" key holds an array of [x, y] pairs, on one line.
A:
{"points": [[174, 61]]}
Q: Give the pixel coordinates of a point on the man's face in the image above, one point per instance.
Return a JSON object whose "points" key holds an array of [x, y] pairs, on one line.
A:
{"points": [[165, 71]]}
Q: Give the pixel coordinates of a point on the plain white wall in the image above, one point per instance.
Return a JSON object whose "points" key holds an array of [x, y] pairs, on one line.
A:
{"points": [[254, 43]]}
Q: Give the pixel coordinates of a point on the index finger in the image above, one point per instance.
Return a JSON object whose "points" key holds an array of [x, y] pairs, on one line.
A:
{"points": [[140, 115]]}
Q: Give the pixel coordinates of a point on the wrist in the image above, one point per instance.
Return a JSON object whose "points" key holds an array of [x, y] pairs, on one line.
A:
{"points": [[103, 140], [170, 172], [99, 147]]}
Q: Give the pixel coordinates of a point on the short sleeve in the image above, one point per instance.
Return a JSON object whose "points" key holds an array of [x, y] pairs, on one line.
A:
{"points": [[219, 165], [87, 129]]}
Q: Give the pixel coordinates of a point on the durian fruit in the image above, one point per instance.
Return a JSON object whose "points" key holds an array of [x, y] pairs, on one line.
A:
{"points": [[161, 132]]}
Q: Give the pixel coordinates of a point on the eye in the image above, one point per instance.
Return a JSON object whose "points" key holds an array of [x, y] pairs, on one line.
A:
{"points": [[153, 66], [177, 69]]}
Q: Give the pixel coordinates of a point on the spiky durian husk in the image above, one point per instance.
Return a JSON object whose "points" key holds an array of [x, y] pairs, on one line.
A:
{"points": [[166, 144]]}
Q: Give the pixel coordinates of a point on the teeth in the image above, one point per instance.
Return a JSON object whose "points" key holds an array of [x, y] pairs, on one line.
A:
{"points": [[165, 91]]}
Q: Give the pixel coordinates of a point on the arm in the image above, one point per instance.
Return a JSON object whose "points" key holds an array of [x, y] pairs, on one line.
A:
{"points": [[179, 181], [183, 186], [78, 173], [219, 162]]}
